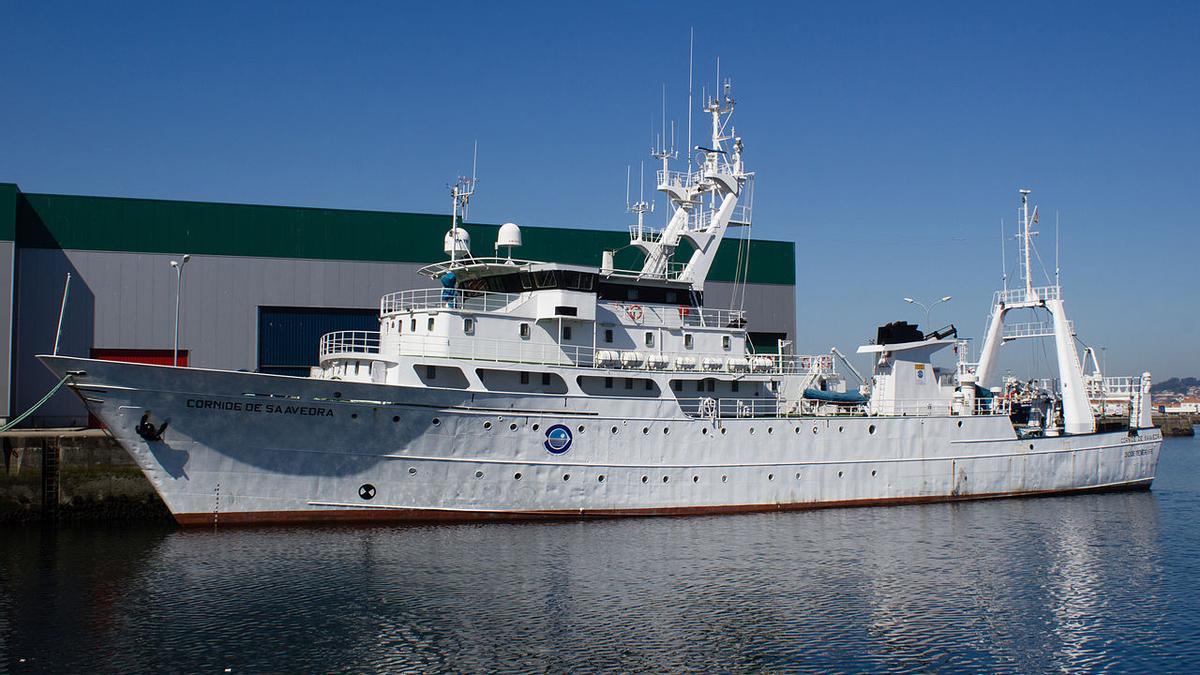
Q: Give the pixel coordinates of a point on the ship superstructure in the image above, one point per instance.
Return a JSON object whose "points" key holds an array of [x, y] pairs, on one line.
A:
{"points": [[516, 388]]}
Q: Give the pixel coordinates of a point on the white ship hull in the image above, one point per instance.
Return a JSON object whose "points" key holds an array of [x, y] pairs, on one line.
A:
{"points": [[244, 447]]}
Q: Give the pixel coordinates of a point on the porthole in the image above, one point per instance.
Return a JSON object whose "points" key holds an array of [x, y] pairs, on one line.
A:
{"points": [[412, 470], [872, 473], [751, 431], [797, 476], [871, 429], [666, 430], [814, 431], [703, 431], [724, 431], [724, 479], [797, 429], [695, 479], [770, 430], [770, 476], [666, 478], [839, 474], [517, 476], [600, 478], [353, 416], [479, 474], [395, 418], [535, 427], [1031, 446], [645, 430], [841, 429], [614, 430], [512, 427], [645, 478], [487, 425], [960, 424], [436, 421], [581, 428], [566, 477], [337, 394]]}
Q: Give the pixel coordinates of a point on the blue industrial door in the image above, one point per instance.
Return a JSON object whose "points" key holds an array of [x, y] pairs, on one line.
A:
{"points": [[288, 336]]}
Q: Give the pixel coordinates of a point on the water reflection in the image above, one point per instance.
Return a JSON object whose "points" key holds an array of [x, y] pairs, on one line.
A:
{"points": [[1025, 585]]}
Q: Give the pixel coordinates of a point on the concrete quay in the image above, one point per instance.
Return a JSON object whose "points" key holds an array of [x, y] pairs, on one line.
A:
{"points": [[72, 475]]}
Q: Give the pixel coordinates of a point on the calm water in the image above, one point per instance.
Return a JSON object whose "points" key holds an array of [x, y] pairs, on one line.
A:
{"points": [[1089, 582]]}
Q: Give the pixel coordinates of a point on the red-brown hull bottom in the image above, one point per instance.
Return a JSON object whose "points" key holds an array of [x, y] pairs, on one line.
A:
{"points": [[352, 515]]}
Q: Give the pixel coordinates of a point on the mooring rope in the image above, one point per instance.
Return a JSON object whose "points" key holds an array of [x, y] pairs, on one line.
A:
{"points": [[20, 418]]}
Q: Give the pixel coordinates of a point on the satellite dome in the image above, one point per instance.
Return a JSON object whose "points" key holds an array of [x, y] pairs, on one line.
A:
{"points": [[457, 242], [510, 235]]}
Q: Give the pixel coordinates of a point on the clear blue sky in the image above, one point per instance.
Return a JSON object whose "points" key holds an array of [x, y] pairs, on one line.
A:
{"points": [[889, 139]]}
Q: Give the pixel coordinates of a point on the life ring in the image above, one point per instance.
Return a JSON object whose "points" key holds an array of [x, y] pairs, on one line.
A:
{"points": [[708, 407], [684, 310], [635, 313]]}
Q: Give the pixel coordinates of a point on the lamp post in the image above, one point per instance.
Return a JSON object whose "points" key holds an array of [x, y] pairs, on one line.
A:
{"points": [[178, 266], [928, 309]]}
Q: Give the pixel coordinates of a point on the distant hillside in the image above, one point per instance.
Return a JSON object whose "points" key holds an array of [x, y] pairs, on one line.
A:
{"points": [[1175, 385]]}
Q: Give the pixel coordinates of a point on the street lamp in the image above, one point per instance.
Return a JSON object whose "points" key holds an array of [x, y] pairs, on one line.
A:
{"points": [[178, 266], [928, 309]]}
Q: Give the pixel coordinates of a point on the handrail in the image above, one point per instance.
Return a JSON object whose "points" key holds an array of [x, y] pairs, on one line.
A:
{"points": [[673, 316], [447, 298], [1020, 295], [349, 342], [527, 351]]}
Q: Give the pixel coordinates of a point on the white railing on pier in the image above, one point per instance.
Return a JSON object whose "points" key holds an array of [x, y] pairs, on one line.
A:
{"points": [[1019, 295], [1013, 331], [349, 343], [447, 298]]}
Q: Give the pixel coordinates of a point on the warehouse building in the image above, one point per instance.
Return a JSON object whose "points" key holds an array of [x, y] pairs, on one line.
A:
{"points": [[262, 284]]}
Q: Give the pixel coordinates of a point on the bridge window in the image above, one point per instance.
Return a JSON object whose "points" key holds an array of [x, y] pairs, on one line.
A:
{"points": [[524, 377], [525, 330], [649, 339], [608, 335], [608, 382], [430, 324], [546, 379], [726, 342], [734, 385], [672, 298], [413, 327], [687, 341], [430, 372], [629, 383], [566, 332], [469, 326]]}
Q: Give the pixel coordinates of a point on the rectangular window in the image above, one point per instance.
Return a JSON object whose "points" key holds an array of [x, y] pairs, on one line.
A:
{"points": [[631, 294], [699, 385], [469, 326], [725, 342], [546, 379], [687, 341], [430, 322], [566, 333], [649, 339], [671, 297], [677, 385], [649, 385], [734, 385], [712, 385], [524, 377], [608, 335], [629, 383], [608, 383], [431, 372], [525, 330], [413, 327]]}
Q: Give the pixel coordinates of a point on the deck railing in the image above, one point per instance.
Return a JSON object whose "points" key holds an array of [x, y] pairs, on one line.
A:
{"points": [[672, 316], [349, 343], [585, 356], [1019, 295], [447, 298]]}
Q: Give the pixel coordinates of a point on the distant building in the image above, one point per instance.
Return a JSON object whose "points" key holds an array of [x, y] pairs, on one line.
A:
{"points": [[264, 282]]}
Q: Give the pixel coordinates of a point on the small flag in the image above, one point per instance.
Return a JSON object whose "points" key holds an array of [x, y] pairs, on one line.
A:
{"points": [[1035, 215]]}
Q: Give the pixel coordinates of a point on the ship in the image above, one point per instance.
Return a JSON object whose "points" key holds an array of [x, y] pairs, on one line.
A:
{"points": [[516, 389]]}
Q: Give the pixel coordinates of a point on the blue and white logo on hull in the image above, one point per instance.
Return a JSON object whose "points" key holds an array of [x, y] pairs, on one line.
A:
{"points": [[558, 439]]}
